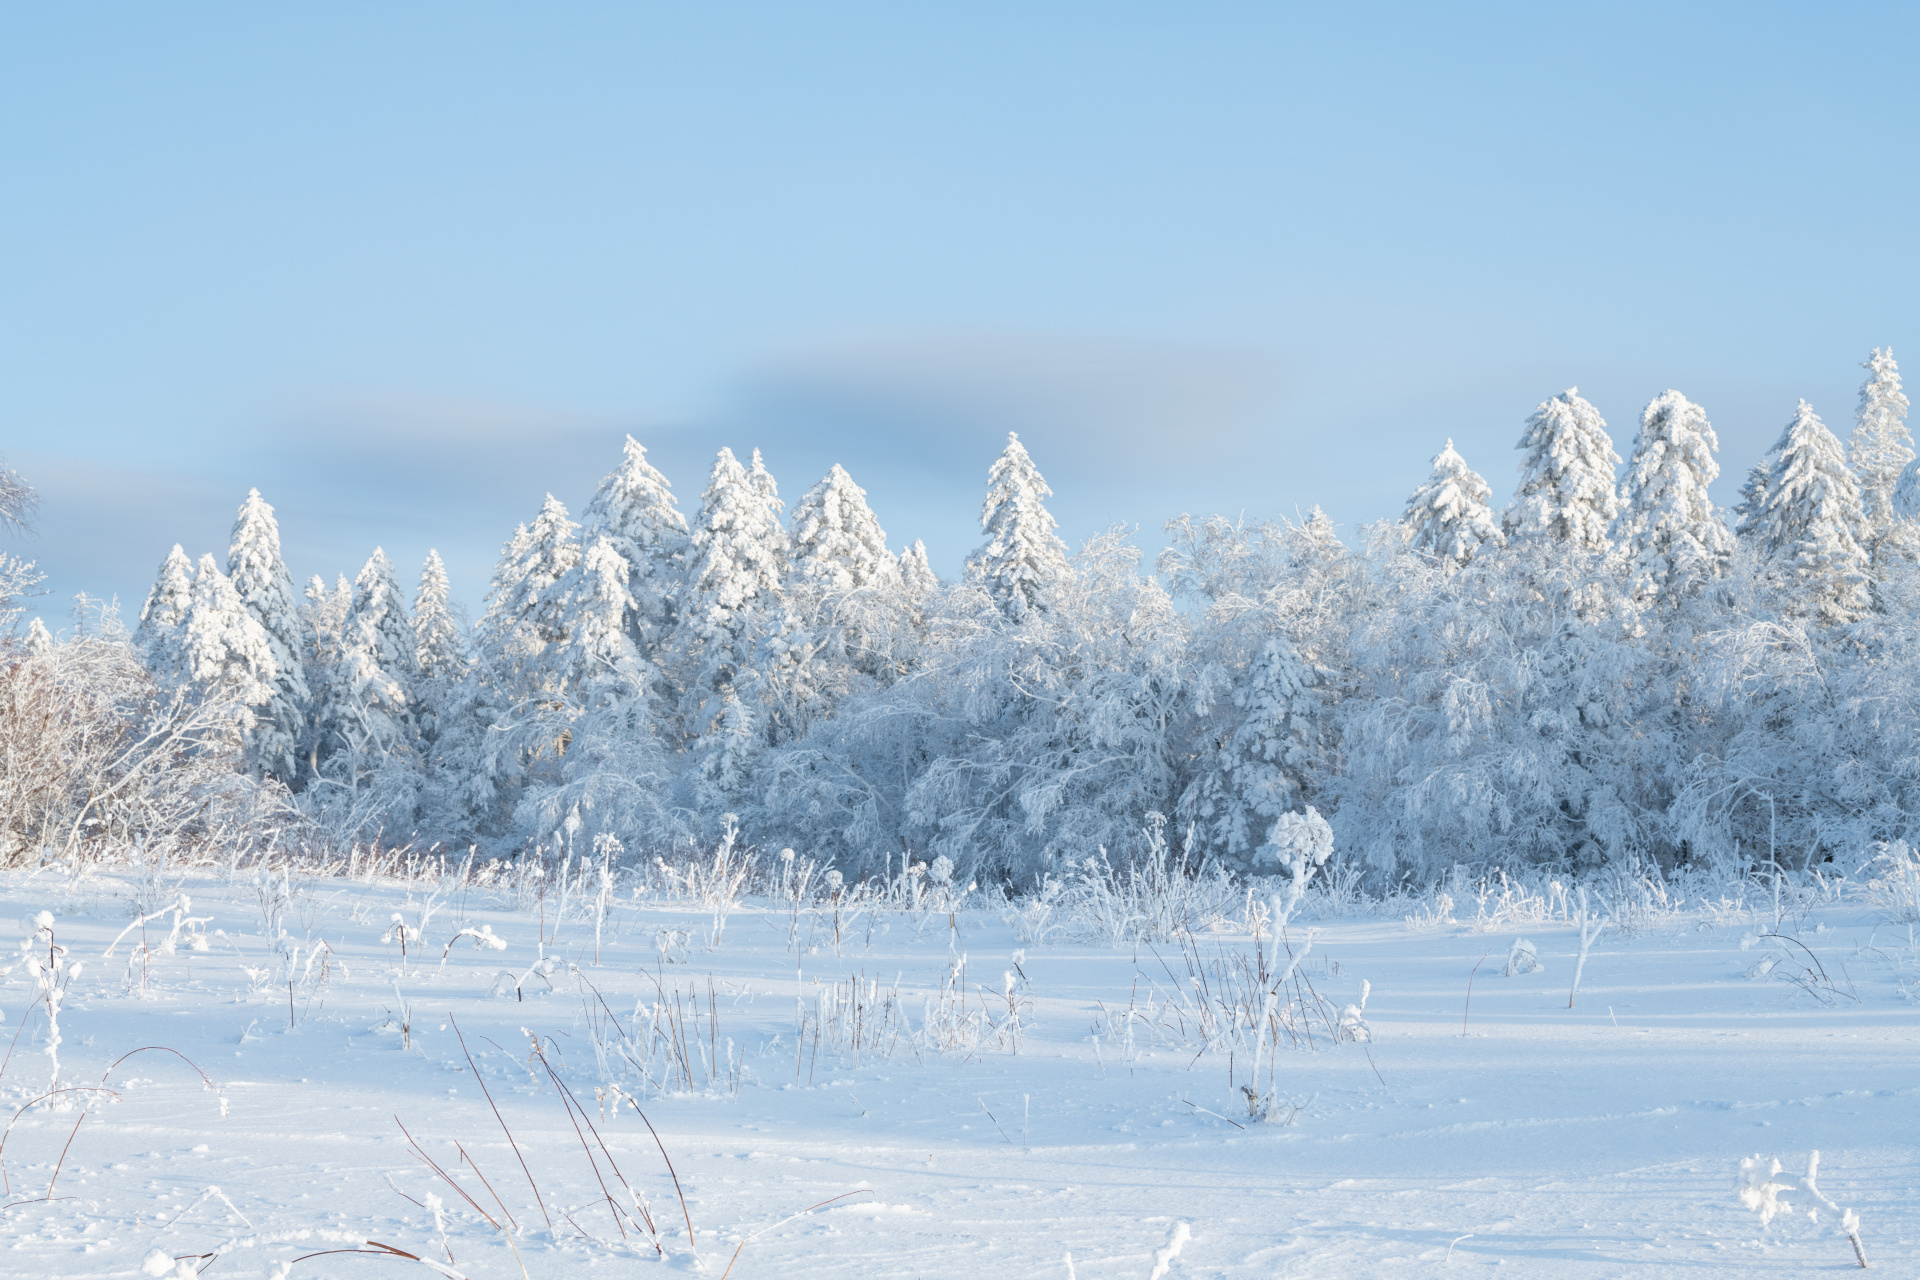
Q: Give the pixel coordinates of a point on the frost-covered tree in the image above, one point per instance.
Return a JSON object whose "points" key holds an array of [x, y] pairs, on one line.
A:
{"points": [[915, 573], [1448, 516], [260, 576], [1882, 446], [1812, 520], [439, 644], [439, 648], [1256, 768], [377, 650], [524, 613], [1750, 513], [1567, 489], [635, 511], [1672, 535], [838, 544], [736, 562], [160, 637], [844, 591], [367, 746], [1023, 559], [228, 654]]}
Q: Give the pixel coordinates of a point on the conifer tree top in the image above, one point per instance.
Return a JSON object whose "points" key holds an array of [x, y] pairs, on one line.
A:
{"points": [[635, 502], [1567, 489], [1022, 555], [1449, 515], [838, 543], [1882, 447]]}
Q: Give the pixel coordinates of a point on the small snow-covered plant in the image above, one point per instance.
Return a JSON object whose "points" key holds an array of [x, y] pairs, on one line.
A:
{"points": [[672, 945], [193, 926], [1590, 928], [1353, 1018], [941, 872], [1849, 1220], [46, 959], [484, 939], [1302, 843], [607, 846], [403, 933], [1759, 1188], [1522, 959], [1433, 913], [1896, 889]]}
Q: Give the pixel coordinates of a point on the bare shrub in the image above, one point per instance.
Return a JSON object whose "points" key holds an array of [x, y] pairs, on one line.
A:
{"points": [[97, 761]]}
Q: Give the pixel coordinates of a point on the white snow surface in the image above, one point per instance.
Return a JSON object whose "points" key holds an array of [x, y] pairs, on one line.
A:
{"points": [[1600, 1140]]}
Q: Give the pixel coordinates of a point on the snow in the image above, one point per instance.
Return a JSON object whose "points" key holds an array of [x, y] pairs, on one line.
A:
{"points": [[1546, 1141]]}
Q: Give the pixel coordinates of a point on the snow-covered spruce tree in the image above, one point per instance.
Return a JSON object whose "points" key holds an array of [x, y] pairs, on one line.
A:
{"points": [[1257, 771], [260, 576], [635, 511], [1812, 521], [1882, 446], [1567, 490], [736, 562], [160, 638], [1448, 516], [524, 611], [439, 645], [1750, 513], [228, 655], [368, 778], [322, 613], [590, 746], [845, 607], [838, 544], [916, 574], [1674, 539], [1022, 560]]}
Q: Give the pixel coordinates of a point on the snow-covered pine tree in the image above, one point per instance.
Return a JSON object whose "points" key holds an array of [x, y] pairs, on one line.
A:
{"points": [[439, 647], [1448, 516], [524, 611], [916, 574], [322, 615], [228, 653], [39, 641], [1882, 446], [260, 576], [1813, 520], [377, 644], [838, 544], [635, 511], [736, 558], [1750, 513], [593, 756], [1256, 771], [1567, 489], [161, 635], [1022, 557], [1673, 537], [843, 608]]}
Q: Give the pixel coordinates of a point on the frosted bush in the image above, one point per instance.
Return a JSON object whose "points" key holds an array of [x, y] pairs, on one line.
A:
{"points": [[1522, 959], [1760, 1190]]}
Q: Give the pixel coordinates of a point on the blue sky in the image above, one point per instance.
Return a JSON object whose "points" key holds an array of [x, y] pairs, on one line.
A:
{"points": [[408, 268]]}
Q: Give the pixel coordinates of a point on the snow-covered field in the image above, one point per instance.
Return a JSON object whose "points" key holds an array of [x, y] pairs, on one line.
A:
{"points": [[1070, 1100]]}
